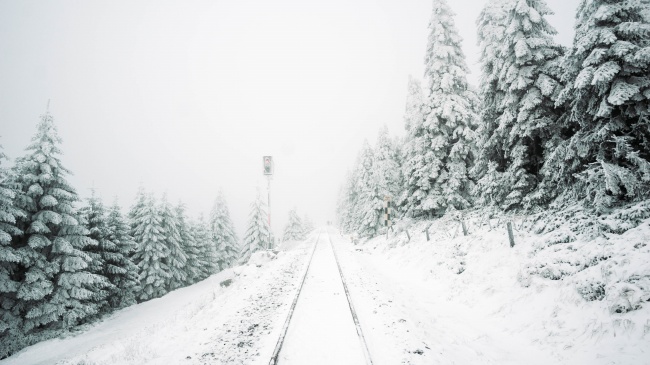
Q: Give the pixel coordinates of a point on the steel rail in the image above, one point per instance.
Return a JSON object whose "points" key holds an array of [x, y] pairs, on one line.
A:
{"points": [[285, 328], [362, 339]]}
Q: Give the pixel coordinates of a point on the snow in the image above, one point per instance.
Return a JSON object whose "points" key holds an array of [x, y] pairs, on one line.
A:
{"points": [[452, 300], [468, 299], [322, 330]]}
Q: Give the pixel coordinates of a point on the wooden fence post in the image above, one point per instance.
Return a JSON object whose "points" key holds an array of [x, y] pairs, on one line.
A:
{"points": [[510, 235], [462, 223], [407, 234]]}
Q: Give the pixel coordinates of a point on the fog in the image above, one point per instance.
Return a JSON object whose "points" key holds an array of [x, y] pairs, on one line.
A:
{"points": [[185, 97]]}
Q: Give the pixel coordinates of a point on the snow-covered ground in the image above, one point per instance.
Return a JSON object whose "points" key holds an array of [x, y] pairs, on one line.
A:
{"points": [[452, 300], [474, 300], [322, 330], [206, 323]]}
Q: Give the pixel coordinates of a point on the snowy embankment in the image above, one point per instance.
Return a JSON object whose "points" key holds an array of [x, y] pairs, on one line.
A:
{"points": [[233, 317], [563, 295]]}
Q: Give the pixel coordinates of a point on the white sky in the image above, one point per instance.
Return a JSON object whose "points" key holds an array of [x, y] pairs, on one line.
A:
{"points": [[185, 97]]}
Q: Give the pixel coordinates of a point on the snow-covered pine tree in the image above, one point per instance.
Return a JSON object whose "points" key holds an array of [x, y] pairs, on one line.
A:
{"points": [[416, 149], [120, 269], [607, 94], [369, 202], [208, 251], [257, 232], [193, 265], [307, 224], [93, 215], [56, 290], [136, 208], [527, 86], [346, 204], [223, 234], [491, 27], [294, 230], [10, 318], [386, 166], [152, 252], [172, 239], [439, 177]]}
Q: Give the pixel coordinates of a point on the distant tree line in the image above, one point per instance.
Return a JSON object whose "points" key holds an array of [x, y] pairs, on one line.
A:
{"points": [[546, 125], [64, 263]]}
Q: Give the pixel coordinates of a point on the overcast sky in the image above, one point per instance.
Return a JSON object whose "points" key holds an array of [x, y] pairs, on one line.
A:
{"points": [[185, 97]]}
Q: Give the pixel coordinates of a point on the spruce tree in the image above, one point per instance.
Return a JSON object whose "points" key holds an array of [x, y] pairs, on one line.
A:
{"points": [[208, 252], [152, 252], [223, 234], [607, 94], [308, 224], [416, 149], [94, 218], [120, 269], [439, 177], [257, 231], [56, 289], [387, 167], [193, 265], [369, 202], [294, 230], [527, 86], [10, 317], [172, 239]]}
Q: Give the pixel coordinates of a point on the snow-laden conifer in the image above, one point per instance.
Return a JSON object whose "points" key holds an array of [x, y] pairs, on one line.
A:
{"points": [[193, 265], [307, 224], [208, 251], [346, 204], [257, 232], [512, 146], [607, 93], [387, 166], [294, 230], [120, 269], [94, 218], [56, 290], [152, 252], [10, 317], [223, 234], [367, 211], [416, 149], [438, 176], [176, 259]]}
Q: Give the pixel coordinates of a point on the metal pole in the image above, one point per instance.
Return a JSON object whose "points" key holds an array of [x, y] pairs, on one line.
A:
{"points": [[269, 213]]}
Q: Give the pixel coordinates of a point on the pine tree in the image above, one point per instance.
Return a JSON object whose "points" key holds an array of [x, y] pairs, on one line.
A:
{"points": [[346, 204], [94, 218], [607, 94], [438, 177], [416, 151], [387, 167], [152, 252], [208, 251], [294, 230], [172, 239], [369, 202], [257, 232], [223, 234], [56, 290], [526, 88], [10, 318], [193, 266], [120, 269], [308, 224]]}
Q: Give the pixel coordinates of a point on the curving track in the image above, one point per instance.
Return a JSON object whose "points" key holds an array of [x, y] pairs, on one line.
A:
{"points": [[322, 326]]}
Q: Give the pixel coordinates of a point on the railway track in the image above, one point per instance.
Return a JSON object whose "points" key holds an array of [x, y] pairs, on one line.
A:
{"points": [[276, 358]]}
